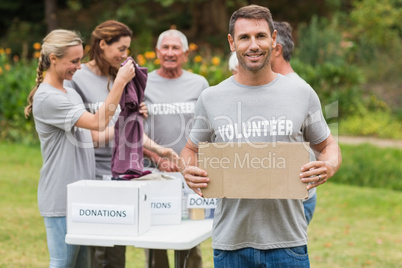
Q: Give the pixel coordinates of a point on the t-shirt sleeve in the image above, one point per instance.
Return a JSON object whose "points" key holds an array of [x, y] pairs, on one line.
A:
{"points": [[201, 130], [59, 111], [316, 129], [74, 85], [205, 83]]}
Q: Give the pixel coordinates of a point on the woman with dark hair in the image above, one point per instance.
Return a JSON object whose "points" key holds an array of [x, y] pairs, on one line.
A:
{"points": [[108, 49]]}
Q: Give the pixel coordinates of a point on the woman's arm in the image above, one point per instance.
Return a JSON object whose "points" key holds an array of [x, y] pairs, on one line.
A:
{"points": [[101, 138], [161, 151]]}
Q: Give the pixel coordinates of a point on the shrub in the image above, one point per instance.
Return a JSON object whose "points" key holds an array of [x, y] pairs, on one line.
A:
{"points": [[320, 42], [335, 82], [326, 58], [379, 124], [370, 166], [17, 79]]}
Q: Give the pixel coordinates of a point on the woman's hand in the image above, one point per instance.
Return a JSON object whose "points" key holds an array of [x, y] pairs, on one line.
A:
{"points": [[126, 73], [168, 153]]}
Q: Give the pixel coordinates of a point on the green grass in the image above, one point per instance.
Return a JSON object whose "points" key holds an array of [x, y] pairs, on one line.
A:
{"points": [[352, 226], [367, 165], [356, 227]]}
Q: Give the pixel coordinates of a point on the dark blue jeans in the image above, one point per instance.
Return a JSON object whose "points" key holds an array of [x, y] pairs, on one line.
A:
{"points": [[296, 257]]}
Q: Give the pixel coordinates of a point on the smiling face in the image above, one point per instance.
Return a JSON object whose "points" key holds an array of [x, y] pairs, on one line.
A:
{"points": [[253, 44], [66, 66], [116, 52], [171, 54]]}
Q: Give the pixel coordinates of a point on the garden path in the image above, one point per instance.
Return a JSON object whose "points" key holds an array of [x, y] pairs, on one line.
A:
{"points": [[371, 140]]}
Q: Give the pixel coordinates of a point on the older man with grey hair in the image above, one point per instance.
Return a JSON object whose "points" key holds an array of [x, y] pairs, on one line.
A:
{"points": [[170, 95]]}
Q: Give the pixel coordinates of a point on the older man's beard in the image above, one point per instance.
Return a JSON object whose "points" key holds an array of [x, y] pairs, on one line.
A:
{"points": [[256, 68]]}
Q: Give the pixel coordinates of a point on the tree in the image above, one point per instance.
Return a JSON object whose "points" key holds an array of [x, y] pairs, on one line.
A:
{"points": [[378, 23], [50, 14]]}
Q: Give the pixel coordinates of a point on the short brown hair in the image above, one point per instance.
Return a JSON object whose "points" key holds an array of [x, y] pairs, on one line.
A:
{"points": [[251, 12]]}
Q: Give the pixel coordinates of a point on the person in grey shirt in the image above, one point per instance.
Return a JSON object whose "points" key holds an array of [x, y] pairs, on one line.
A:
{"points": [[282, 53], [266, 232], [280, 63], [110, 41], [170, 95], [63, 127]]}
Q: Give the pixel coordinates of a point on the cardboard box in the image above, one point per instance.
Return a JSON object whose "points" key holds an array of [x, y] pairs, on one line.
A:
{"points": [[115, 208], [196, 201], [166, 197], [254, 170], [196, 204]]}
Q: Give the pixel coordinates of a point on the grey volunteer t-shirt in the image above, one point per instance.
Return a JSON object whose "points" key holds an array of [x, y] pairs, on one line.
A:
{"points": [[294, 76], [283, 110], [67, 151], [94, 90], [171, 105]]}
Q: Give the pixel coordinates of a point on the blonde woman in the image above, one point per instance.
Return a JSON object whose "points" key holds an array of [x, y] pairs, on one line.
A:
{"points": [[63, 125]]}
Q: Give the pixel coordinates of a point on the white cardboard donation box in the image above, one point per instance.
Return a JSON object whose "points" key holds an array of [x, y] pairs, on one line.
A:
{"points": [[196, 201], [116, 208], [166, 197]]}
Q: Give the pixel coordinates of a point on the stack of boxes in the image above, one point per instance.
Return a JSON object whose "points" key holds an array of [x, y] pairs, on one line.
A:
{"points": [[130, 208]]}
